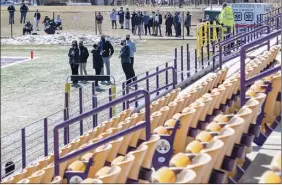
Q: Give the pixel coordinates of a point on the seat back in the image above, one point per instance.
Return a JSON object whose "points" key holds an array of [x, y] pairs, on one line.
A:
{"points": [[91, 181], [49, 174], [114, 150], [125, 163], [198, 106], [57, 180], [23, 181], [109, 175], [36, 177], [186, 176], [147, 162]]}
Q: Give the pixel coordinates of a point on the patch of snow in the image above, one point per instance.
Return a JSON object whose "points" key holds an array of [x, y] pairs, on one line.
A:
{"points": [[58, 39]]}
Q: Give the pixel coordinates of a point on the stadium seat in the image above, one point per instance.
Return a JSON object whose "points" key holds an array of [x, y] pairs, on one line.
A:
{"points": [[9, 180], [91, 181], [276, 162], [198, 106], [57, 180], [36, 177], [139, 155], [173, 175], [108, 175], [30, 169], [23, 181], [114, 150], [49, 174], [270, 177], [125, 163], [147, 162]]}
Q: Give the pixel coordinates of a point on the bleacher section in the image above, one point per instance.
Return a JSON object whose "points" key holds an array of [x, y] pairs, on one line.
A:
{"points": [[199, 134]]}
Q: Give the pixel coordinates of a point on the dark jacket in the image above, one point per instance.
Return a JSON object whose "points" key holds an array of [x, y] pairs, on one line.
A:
{"points": [[74, 56], [160, 19], [106, 48], [24, 9], [99, 19], [37, 15], [138, 20], [11, 9], [175, 20], [97, 59], [127, 15], [83, 54], [121, 16], [146, 19], [28, 26], [125, 54], [151, 21], [169, 21], [188, 20], [133, 18]]}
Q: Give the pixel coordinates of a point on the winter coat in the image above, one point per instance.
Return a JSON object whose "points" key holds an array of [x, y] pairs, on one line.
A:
{"points": [[146, 19], [169, 21], [24, 9], [138, 20], [133, 18], [113, 16], [99, 19], [106, 49], [175, 20], [83, 54], [127, 15], [11, 9], [97, 59], [125, 54], [74, 56], [160, 19], [37, 16], [151, 21], [188, 20], [121, 16]]}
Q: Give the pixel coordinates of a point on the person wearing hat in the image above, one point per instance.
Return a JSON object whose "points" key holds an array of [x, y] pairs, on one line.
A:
{"points": [[125, 61], [107, 50], [97, 61], [74, 59], [83, 56], [11, 10], [226, 18]]}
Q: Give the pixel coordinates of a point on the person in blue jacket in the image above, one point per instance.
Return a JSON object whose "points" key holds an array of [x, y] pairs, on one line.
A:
{"points": [[125, 61]]}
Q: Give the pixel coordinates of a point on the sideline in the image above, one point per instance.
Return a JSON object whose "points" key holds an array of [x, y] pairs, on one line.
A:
{"points": [[18, 62]]}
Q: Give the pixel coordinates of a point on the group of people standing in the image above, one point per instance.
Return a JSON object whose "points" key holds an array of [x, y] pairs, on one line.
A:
{"points": [[143, 23], [102, 53], [23, 9]]}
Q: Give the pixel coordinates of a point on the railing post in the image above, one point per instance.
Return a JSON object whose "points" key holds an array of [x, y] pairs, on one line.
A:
{"points": [[147, 82], [23, 148], [175, 58], [202, 56], [110, 99], [208, 49], [196, 70], [166, 75], [220, 56], [81, 110], [94, 105], [136, 88], [188, 61], [45, 136], [213, 57], [181, 58], [66, 116], [123, 93], [157, 80]]}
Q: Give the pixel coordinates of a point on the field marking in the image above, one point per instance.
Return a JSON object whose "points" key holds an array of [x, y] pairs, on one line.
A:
{"points": [[15, 63]]}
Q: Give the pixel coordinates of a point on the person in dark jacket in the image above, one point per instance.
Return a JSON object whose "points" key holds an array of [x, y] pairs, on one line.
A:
{"points": [[138, 24], [125, 61], [107, 50], [146, 23], [45, 22], [159, 23], [127, 18], [24, 10], [121, 17], [11, 10], [133, 20], [99, 21], [168, 24], [74, 59], [37, 17], [97, 61], [188, 23], [83, 56], [28, 28], [175, 23]]}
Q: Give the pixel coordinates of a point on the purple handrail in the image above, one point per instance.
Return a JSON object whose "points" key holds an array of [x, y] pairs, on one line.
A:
{"points": [[58, 160], [224, 43], [243, 51]]}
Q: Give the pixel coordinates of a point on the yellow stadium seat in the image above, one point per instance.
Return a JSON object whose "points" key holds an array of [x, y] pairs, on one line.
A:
{"points": [[109, 174], [91, 181], [125, 163], [57, 180]]}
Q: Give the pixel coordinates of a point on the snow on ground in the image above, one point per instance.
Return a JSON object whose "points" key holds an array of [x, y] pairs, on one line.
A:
{"points": [[57, 39]]}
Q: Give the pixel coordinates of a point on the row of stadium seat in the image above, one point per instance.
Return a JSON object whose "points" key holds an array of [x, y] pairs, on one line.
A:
{"points": [[123, 158]]}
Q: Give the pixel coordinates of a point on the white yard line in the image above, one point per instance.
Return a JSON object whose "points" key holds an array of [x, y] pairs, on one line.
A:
{"points": [[15, 63]]}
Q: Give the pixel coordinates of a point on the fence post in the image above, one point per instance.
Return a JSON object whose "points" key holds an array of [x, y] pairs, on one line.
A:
{"points": [[188, 61], [202, 56], [110, 99], [113, 88], [220, 56], [94, 105], [181, 58], [157, 81], [66, 116], [53, 15], [123, 93], [277, 27], [23, 149], [183, 21], [95, 23], [213, 57], [196, 60], [45, 136], [175, 59], [136, 88], [208, 49], [81, 110], [166, 75]]}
